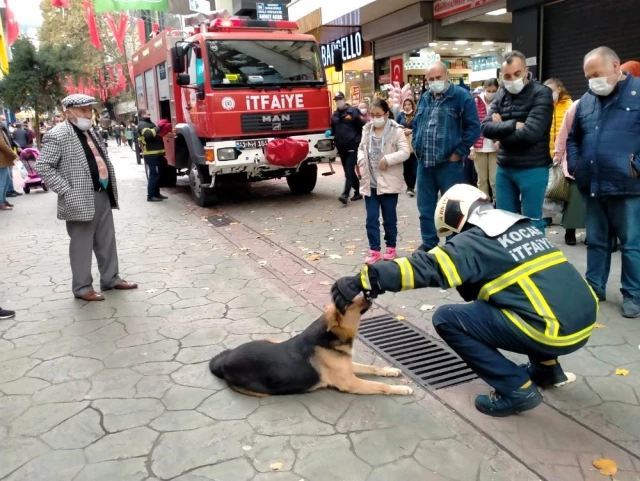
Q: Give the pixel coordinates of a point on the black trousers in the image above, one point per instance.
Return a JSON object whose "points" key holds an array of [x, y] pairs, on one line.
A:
{"points": [[349, 159], [410, 171], [155, 163]]}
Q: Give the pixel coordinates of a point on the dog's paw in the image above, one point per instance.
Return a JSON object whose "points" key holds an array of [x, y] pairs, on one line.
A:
{"points": [[391, 372], [402, 390]]}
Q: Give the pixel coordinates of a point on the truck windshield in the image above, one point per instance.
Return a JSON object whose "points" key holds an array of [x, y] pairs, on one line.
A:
{"points": [[234, 63]]}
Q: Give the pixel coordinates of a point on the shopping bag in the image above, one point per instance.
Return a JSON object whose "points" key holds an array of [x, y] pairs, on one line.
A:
{"points": [[557, 187], [22, 169]]}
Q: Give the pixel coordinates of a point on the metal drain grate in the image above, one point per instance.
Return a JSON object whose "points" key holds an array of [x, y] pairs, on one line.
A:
{"points": [[425, 360], [220, 220]]}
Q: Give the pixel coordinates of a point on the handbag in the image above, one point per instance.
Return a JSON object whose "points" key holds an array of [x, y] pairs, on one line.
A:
{"points": [[557, 187]]}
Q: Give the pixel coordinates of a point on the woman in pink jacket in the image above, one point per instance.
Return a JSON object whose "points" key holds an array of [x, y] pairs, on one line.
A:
{"points": [[574, 209], [382, 151]]}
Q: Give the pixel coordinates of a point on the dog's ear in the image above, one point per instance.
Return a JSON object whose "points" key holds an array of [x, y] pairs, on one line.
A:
{"points": [[331, 317]]}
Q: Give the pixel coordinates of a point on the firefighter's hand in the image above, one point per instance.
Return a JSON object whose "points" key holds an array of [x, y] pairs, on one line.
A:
{"points": [[327, 133], [345, 290]]}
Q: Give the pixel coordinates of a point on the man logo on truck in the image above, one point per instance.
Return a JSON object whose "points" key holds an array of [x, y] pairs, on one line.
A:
{"points": [[276, 120]]}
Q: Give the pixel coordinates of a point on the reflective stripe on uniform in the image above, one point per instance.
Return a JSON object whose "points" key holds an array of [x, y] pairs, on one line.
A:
{"points": [[447, 266], [520, 272], [595, 296], [558, 341], [364, 279], [540, 305], [406, 273], [152, 152], [153, 131]]}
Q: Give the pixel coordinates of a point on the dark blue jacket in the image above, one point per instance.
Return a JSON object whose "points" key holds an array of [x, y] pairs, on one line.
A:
{"points": [[346, 127], [459, 126], [604, 142]]}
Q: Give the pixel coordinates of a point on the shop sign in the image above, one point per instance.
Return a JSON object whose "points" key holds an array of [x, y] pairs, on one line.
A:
{"points": [[396, 70], [270, 11], [355, 95], [384, 79], [446, 8], [351, 47]]}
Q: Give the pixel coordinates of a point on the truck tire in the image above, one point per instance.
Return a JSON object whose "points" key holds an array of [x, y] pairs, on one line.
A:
{"points": [[303, 181], [198, 176]]}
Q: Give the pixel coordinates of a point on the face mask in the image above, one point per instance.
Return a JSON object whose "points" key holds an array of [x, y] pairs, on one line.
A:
{"points": [[363, 111], [379, 122], [514, 86], [408, 110], [341, 104], [437, 86], [601, 86], [489, 96], [556, 96]]}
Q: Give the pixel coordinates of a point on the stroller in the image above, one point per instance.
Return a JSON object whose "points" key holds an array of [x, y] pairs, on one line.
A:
{"points": [[28, 158]]}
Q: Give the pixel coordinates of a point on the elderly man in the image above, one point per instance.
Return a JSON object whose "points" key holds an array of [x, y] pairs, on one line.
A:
{"points": [[74, 164], [444, 129], [603, 154], [520, 119]]}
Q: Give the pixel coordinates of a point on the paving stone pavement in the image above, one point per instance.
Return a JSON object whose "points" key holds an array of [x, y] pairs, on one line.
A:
{"points": [[120, 390]]}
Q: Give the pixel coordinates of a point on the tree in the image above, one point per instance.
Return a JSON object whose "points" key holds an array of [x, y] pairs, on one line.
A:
{"points": [[36, 76]]}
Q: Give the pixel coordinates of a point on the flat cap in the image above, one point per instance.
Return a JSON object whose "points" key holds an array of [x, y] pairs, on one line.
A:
{"points": [[78, 100]]}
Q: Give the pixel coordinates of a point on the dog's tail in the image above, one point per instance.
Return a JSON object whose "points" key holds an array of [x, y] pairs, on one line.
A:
{"points": [[217, 363]]}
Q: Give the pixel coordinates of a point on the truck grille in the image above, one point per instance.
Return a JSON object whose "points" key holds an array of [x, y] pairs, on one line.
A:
{"points": [[274, 122]]}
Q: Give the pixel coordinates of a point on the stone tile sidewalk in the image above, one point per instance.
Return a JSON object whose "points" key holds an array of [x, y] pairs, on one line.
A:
{"points": [[120, 390]]}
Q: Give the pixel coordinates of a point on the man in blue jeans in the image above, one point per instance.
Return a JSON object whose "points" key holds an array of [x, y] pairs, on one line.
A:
{"points": [[603, 152], [444, 129], [520, 119]]}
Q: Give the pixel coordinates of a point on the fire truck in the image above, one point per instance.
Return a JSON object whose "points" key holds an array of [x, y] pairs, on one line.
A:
{"points": [[247, 101]]}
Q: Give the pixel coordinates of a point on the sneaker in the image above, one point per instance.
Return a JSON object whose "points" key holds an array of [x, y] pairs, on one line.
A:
{"points": [[5, 314], [344, 199], [356, 197], [374, 256], [500, 406], [631, 307], [390, 254], [411, 192], [547, 376]]}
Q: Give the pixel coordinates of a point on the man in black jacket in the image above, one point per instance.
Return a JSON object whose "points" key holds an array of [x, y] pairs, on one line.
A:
{"points": [[520, 120], [153, 152], [346, 127]]}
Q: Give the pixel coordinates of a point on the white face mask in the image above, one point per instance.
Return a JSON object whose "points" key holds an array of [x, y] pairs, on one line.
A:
{"points": [[363, 111], [341, 104], [81, 123], [601, 86], [514, 86], [489, 96], [438, 86], [379, 122], [556, 96]]}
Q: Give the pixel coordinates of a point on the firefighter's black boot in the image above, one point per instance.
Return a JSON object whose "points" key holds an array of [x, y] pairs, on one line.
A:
{"points": [[500, 406]]}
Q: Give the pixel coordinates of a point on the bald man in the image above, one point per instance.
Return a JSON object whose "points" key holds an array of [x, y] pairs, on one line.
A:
{"points": [[444, 129], [603, 154]]}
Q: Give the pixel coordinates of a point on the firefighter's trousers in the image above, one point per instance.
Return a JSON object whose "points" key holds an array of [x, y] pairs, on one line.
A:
{"points": [[476, 331]]}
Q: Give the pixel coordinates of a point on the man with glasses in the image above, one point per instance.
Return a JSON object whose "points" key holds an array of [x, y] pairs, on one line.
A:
{"points": [[520, 119]]}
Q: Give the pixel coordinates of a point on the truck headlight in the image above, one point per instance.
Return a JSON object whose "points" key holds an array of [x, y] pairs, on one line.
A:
{"points": [[324, 145], [228, 153]]}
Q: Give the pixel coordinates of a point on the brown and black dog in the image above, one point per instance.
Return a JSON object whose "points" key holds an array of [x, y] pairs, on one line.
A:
{"points": [[318, 357]]}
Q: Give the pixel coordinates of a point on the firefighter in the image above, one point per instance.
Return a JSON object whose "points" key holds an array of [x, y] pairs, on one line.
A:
{"points": [[526, 297], [153, 152]]}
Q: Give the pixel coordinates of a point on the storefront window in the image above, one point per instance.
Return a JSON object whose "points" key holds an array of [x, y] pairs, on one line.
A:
{"points": [[356, 81]]}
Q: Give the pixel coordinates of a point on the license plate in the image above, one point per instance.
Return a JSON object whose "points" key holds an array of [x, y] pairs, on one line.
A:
{"points": [[251, 144]]}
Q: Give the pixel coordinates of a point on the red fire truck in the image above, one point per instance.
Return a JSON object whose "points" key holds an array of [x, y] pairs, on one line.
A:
{"points": [[247, 101]]}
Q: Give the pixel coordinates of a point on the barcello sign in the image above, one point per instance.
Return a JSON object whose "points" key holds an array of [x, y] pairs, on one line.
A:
{"points": [[351, 47], [446, 8]]}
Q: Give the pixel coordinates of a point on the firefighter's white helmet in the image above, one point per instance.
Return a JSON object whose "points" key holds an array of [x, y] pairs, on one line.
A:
{"points": [[455, 207]]}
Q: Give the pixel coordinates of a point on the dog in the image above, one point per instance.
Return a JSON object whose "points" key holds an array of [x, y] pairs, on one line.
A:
{"points": [[319, 357]]}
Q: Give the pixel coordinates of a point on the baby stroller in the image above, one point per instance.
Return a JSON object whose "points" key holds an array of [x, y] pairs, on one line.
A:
{"points": [[33, 180]]}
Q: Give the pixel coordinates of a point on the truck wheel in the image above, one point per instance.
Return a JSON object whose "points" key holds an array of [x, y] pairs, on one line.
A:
{"points": [[198, 177], [303, 181]]}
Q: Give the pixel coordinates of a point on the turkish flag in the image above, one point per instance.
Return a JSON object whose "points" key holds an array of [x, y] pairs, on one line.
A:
{"points": [[120, 31], [141, 32], [91, 22], [60, 3], [12, 25], [397, 71], [122, 81]]}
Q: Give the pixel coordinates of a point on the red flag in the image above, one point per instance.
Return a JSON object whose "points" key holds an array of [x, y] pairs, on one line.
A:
{"points": [[122, 81], [120, 31], [90, 87], [155, 28], [71, 89], [168, 28], [60, 3], [141, 32], [13, 29], [91, 22], [80, 86], [101, 75]]}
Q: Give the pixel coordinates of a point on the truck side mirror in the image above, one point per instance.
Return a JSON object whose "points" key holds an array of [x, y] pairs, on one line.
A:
{"points": [[338, 60], [183, 79], [177, 57]]}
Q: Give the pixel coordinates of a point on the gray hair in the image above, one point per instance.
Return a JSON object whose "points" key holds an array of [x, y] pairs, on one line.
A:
{"points": [[604, 52], [509, 57]]}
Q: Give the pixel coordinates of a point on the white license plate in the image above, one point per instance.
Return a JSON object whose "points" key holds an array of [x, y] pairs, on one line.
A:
{"points": [[251, 144]]}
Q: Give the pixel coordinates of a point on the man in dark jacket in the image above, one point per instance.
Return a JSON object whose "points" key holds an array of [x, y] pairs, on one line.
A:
{"points": [[346, 128], [603, 154], [520, 119], [525, 297], [153, 152], [21, 136]]}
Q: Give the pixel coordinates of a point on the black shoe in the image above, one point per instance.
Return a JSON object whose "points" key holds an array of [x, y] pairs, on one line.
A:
{"points": [[160, 196], [570, 237], [425, 248], [5, 314], [344, 199], [13, 194], [356, 197], [153, 199]]}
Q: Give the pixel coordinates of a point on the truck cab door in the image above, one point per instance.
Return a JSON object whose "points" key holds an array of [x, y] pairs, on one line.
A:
{"points": [[195, 95]]}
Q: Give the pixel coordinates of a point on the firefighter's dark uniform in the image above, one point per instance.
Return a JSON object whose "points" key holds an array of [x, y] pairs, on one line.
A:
{"points": [[153, 152], [527, 298], [346, 126]]}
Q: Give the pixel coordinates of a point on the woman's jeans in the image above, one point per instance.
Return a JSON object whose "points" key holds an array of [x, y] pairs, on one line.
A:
{"points": [[522, 188], [5, 183], [387, 203]]}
